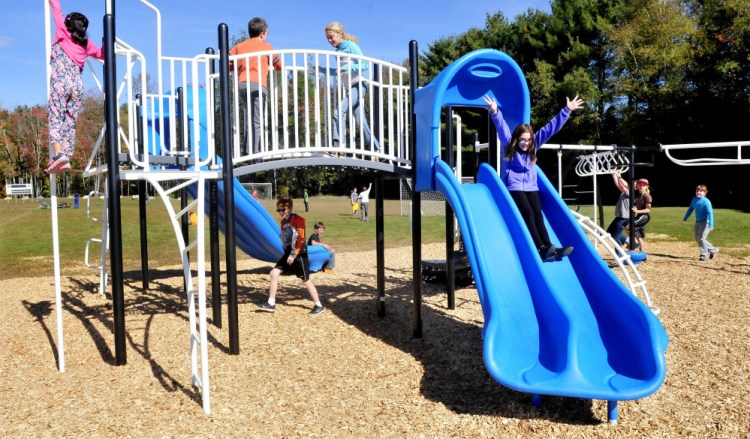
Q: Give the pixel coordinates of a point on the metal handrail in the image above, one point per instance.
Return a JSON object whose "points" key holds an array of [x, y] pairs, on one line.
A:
{"points": [[707, 161]]}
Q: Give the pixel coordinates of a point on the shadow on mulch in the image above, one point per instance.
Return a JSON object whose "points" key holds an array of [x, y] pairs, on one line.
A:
{"points": [[450, 351]]}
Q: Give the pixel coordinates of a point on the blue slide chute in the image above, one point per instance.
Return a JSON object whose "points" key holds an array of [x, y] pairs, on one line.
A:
{"points": [[257, 232], [566, 328]]}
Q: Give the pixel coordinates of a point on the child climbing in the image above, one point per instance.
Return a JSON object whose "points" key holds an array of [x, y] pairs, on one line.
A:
{"points": [[70, 49]]}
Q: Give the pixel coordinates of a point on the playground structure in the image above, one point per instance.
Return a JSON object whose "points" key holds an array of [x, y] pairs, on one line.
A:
{"points": [[169, 143]]}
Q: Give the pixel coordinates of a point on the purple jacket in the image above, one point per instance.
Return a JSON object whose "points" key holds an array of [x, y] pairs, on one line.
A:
{"points": [[519, 174]]}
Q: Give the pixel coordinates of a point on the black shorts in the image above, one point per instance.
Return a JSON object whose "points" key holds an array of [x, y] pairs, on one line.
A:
{"points": [[640, 224], [300, 267]]}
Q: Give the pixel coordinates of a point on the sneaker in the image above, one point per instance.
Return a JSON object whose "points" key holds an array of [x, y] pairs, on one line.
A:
{"points": [[702, 258], [328, 271], [548, 253], [60, 163], [563, 252], [60, 169], [267, 307], [713, 254], [317, 309]]}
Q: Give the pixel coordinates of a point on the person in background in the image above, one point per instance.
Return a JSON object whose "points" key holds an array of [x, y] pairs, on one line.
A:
{"points": [[642, 210], [364, 202], [704, 222], [320, 230], [76, 200], [622, 210], [255, 195], [520, 174], [351, 74], [294, 260], [306, 200], [355, 201], [71, 47], [253, 74]]}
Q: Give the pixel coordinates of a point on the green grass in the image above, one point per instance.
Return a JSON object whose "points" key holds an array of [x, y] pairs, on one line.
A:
{"points": [[732, 227], [26, 236], [26, 233]]}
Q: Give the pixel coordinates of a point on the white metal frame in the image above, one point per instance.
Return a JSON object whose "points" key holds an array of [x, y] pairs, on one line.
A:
{"points": [[708, 161]]}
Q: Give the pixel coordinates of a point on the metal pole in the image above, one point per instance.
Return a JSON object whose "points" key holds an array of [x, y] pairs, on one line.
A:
{"points": [[213, 220], [380, 243], [228, 180], [450, 263], [142, 195], [376, 109], [182, 147], [475, 155], [631, 217], [113, 187], [416, 205]]}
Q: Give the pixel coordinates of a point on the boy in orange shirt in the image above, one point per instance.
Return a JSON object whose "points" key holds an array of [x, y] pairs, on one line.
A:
{"points": [[252, 73]]}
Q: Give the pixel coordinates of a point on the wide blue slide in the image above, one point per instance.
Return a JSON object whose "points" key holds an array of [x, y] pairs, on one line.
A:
{"points": [[566, 328], [257, 232]]}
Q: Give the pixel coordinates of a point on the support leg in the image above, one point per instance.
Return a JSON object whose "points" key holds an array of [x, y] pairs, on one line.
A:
{"points": [[612, 412]]}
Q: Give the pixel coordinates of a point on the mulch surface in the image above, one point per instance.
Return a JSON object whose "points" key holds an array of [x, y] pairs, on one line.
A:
{"points": [[348, 372]]}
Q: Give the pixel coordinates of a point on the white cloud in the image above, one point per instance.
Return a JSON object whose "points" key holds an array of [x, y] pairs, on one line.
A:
{"points": [[5, 41]]}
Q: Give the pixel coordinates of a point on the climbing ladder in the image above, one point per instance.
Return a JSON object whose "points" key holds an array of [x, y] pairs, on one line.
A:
{"points": [[103, 241], [636, 284], [195, 279]]}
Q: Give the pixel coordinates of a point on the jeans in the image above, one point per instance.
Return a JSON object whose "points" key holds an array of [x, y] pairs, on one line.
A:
{"points": [[359, 111], [701, 237], [616, 229], [255, 90]]}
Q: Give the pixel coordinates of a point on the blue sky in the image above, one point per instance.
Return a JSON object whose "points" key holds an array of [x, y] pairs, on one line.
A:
{"points": [[384, 28]]}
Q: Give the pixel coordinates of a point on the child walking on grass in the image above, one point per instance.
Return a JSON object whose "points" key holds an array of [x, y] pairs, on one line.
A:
{"points": [[70, 49], [704, 222]]}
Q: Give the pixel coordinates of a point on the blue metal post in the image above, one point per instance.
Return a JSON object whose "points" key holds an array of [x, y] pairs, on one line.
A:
{"points": [[612, 412]]}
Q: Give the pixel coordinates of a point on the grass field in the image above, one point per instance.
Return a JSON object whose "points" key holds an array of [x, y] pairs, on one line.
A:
{"points": [[26, 237]]}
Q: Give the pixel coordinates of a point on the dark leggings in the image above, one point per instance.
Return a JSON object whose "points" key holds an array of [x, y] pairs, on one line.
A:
{"points": [[531, 210]]}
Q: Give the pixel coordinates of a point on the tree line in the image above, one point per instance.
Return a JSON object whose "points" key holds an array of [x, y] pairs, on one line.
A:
{"points": [[651, 71]]}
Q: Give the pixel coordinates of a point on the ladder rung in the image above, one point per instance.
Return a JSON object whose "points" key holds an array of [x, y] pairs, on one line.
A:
{"points": [[190, 246], [196, 339], [197, 382]]}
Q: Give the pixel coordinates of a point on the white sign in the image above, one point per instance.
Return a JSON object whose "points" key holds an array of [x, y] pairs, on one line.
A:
{"points": [[18, 189]]}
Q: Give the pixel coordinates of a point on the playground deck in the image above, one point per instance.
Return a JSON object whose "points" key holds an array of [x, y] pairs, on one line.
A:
{"points": [[348, 373]]}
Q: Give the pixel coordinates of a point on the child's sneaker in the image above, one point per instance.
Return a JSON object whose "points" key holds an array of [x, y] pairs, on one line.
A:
{"points": [[317, 309], [267, 307], [563, 252], [60, 163], [548, 253], [712, 255], [702, 258]]}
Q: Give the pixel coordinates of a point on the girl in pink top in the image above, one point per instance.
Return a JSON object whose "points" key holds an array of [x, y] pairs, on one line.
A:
{"points": [[70, 49]]}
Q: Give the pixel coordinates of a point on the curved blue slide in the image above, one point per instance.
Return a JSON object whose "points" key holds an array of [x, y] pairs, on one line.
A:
{"points": [[566, 328], [257, 232]]}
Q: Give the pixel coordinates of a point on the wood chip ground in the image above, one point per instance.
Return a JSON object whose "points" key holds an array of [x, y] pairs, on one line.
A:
{"points": [[347, 372]]}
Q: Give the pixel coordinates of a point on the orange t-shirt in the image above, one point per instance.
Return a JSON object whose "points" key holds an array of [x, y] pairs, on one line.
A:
{"points": [[249, 46]]}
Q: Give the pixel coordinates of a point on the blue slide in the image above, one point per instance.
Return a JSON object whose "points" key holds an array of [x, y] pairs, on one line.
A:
{"points": [[257, 232], [566, 328]]}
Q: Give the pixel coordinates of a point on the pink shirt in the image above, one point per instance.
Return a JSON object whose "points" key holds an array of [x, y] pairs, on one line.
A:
{"points": [[75, 51]]}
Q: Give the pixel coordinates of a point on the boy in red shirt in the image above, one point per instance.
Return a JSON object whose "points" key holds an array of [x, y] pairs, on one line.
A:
{"points": [[294, 259]]}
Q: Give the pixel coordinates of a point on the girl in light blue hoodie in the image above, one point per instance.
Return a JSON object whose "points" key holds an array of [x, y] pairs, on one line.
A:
{"points": [[351, 74]]}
